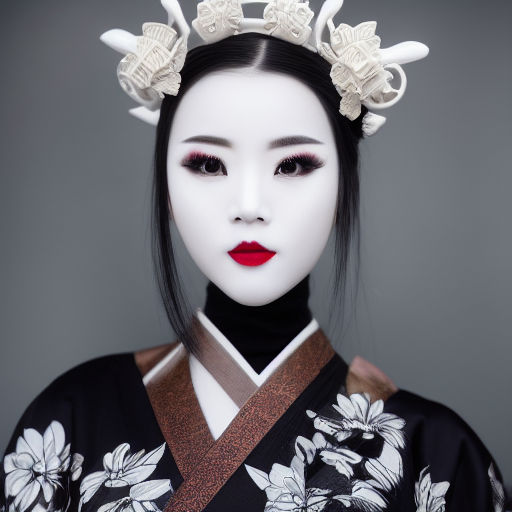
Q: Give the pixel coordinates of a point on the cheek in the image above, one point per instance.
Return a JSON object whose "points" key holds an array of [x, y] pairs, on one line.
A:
{"points": [[310, 209], [195, 209]]}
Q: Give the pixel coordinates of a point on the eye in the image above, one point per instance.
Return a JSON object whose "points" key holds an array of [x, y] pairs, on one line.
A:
{"points": [[298, 165], [207, 165]]}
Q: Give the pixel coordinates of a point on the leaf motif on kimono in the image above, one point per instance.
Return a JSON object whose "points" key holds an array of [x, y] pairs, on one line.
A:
{"points": [[137, 469], [89, 485], [335, 455], [498, 492], [140, 497], [121, 469], [387, 469], [430, 496], [76, 466], [150, 490], [259, 477], [305, 449], [363, 496], [329, 426]]}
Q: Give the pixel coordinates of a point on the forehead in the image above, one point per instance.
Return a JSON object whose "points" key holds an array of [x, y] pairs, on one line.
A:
{"points": [[250, 104]]}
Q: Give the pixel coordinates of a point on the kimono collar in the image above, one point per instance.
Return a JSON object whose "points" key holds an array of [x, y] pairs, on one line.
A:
{"points": [[227, 365], [204, 463]]}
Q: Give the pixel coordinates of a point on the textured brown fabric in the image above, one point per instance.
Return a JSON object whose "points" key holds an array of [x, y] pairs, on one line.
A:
{"points": [[254, 420], [364, 377], [149, 357], [227, 372], [179, 414]]}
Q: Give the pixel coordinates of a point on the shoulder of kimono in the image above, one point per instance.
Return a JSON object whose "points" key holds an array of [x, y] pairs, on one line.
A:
{"points": [[442, 440], [79, 386], [434, 415], [88, 378], [438, 433], [364, 377]]}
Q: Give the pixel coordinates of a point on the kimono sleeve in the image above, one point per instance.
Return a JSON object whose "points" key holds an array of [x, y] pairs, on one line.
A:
{"points": [[454, 469], [39, 463]]}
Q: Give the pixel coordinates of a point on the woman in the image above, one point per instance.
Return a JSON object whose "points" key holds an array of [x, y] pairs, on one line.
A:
{"points": [[251, 408]]}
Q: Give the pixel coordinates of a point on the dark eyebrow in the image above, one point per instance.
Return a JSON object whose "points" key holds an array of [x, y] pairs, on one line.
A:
{"points": [[292, 141], [278, 143], [210, 139]]}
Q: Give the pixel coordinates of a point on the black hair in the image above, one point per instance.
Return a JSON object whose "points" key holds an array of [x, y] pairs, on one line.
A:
{"points": [[271, 54]]}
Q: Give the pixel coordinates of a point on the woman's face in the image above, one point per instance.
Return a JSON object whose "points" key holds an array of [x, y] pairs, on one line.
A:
{"points": [[253, 177]]}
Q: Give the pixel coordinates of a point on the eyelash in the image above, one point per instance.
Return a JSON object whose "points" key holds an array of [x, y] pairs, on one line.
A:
{"points": [[308, 161]]}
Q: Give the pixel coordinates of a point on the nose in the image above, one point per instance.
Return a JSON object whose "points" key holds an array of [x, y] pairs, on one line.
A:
{"points": [[250, 197]]}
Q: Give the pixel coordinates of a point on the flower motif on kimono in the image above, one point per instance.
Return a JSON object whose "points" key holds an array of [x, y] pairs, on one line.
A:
{"points": [[288, 19], [154, 69], [334, 455], [38, 472], [122, 469], [286, 488], [357, 72], [360, 417], [498, 492], [218, 19], [140, 498], [430, 496], [362, 481]]}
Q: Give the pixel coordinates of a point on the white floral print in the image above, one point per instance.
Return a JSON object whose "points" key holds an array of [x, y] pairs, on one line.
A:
{"points": [[363, 496], [360, 420], [334, 455], [430, 496], [36, 471], [360, 415], [140, 498], [498, 492], [122, 469], [286, 488]]}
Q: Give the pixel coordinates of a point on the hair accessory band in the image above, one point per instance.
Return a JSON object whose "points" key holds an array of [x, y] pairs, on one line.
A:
{"points": [[361, 71]]}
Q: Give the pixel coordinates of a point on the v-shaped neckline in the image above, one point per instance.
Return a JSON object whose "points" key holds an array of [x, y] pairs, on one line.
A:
{"points": [[206, 464]]}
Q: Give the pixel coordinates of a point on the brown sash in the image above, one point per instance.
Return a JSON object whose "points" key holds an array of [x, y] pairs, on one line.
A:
{"points": [[206, 464]]}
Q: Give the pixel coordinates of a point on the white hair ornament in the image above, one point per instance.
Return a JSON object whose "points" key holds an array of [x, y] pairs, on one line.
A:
{"points": [[360, 70]]}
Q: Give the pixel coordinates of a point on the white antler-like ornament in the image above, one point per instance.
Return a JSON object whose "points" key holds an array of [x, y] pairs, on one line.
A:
{"points": [[153, 61], [360, 70]]}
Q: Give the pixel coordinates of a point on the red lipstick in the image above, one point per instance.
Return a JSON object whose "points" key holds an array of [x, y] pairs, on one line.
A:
{"points": [[250, 254]]}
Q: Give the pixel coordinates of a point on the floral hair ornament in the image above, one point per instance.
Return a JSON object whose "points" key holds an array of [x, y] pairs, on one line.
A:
{"points": [[361, 71]]}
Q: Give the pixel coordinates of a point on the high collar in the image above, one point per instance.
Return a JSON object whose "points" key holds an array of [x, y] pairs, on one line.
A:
{"points": [[259, 333]]}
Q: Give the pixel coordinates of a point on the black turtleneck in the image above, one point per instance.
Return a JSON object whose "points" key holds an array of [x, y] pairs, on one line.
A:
{"points": [[259, 333]]}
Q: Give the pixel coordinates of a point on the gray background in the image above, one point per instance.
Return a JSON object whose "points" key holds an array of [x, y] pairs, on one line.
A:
{"points": [[433, 309]]}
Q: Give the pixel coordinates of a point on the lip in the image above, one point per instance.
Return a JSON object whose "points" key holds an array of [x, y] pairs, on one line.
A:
{"points": [[251, 254]]}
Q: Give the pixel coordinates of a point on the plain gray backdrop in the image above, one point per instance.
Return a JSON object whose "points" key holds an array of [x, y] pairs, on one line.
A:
{"points": [[435, 297]]}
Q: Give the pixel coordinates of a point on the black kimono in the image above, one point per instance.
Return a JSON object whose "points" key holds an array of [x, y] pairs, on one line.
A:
{"points": [[100, 439]]}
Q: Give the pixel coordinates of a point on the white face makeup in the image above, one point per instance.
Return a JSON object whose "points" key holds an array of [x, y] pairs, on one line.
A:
{"points": [[252, 158]]}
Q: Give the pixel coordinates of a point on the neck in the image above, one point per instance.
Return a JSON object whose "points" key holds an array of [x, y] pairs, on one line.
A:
{"points": [[259, 333]]}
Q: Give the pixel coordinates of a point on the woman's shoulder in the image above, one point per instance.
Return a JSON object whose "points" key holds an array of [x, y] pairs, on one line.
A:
{"points": [[430, 416], [86, 387], [440, 448], [88, 376], [93, 374]]}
